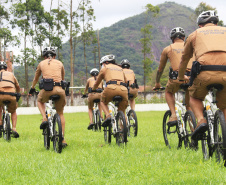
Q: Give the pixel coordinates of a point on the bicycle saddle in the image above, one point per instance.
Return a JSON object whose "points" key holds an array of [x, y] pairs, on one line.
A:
{"points": [[216, 86], [54, 97], [96, 100], [117, 98], [130, 96], [6, 102]]}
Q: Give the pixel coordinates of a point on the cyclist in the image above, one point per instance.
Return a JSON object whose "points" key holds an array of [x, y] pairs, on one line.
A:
{"points": [[93, 95], [8, 84], [130, 76], [116, 85], [52, 70], [173, 52], [208, 43]]}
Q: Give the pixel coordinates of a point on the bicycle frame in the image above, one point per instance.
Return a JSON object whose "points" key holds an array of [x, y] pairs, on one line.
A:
{"points": [[50, 113]]}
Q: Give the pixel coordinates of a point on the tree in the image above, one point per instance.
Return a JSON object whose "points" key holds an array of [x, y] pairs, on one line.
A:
{"points": [[146, 42]]}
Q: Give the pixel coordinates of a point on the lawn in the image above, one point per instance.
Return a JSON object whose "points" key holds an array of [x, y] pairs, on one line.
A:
{"points": [[88, 160]]}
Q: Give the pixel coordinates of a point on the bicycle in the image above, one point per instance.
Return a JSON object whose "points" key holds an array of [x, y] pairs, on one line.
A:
{"points": [[118, 127], [96, 111], [214, 139], [182, 130], [6, 124]]}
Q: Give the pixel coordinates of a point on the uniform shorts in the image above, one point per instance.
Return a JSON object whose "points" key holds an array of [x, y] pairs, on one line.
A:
{"points": [[115, 90], [91, 97], [199, 88], [172, 86], [12, 106], [43, 97], [134, 92]]}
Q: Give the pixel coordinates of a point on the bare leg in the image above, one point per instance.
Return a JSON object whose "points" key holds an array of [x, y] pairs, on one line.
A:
{"points": [[170, 99], [63, 125], [90, 111], [132, 104], [14, 120], [100, 109], [41, 107], [197, 108], [105, 109]]}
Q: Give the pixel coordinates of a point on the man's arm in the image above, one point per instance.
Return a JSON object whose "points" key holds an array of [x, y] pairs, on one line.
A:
{"points": [[17, 86], [100, 77], [37, 75], [63, 73], [87, 85]]}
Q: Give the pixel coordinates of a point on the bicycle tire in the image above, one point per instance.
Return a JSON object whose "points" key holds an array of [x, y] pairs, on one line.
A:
{"points": [[98, 120], [46, 134], [95, 122], [190, 125], [207, 149], [121, 134], [107, 134], [170, 134], [57, 134], [220, 136], [7, 129], [133, 123]]}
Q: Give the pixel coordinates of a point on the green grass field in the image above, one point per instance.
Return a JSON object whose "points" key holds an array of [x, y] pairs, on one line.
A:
{"points": [[88, 160]]}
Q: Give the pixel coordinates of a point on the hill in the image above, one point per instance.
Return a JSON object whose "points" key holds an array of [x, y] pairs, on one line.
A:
{"points": [[122, 40]]}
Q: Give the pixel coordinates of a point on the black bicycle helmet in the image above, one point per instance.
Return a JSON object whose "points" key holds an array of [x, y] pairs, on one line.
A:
{"points": [[125, 63], [177, 32], [3, 65], [49, 51], [209, 16], [94, 72], [107, 58]]}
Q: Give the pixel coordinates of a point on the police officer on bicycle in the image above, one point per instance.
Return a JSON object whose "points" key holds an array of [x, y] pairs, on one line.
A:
{"points": [[52, 71], [93, 95], [173, 52], [208, 43], [8, 85], [130, 76], [116, 85]]}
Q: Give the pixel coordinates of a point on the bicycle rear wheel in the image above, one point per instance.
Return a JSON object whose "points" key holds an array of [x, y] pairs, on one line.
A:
{"points": [[220, 136], [107, 134], [133, 124], [190, 125], [121, 134], [7, 129], [170, 134], [57, 134]]}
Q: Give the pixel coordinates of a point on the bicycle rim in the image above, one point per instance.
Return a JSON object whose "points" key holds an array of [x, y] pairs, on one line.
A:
{"points": [[121, 134], [220, 136], [170, 134], [57, 134], [133, 124], [7, 129]]}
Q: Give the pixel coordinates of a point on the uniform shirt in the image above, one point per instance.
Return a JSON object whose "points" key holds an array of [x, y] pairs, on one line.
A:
{"points": [[130, 76], [110, 72], [6, 75], [173, 52], [50, 69], [90, 83], [208, 44]]}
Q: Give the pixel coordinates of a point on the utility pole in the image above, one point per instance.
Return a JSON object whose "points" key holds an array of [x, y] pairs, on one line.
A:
{"points": [[98, 41]]}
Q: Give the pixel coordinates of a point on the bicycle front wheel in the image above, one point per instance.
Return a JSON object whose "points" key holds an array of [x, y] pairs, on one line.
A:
{"points": [[220, 136], [133, 124], [7, 129], [190, 125], [46, 134], [170, 134], [121, 134], [57, 134], [107, 134]]}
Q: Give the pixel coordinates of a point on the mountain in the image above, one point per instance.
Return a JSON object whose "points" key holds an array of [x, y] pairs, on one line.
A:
{"points": [[122, 40]]}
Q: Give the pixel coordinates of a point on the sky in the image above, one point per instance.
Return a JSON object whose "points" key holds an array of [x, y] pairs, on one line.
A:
{"points": [[108, 12]]}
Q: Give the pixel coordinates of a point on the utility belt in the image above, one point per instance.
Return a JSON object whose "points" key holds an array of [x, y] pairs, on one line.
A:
{"points": [[90, 90], [18, 95], [116, 82], [174, 74], [134, 85], [197, 68], [47, 84]]}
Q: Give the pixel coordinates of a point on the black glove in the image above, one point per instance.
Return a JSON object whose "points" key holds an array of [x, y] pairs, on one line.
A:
{"points": [[99, 90], [84, 96], [32, 90]]}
